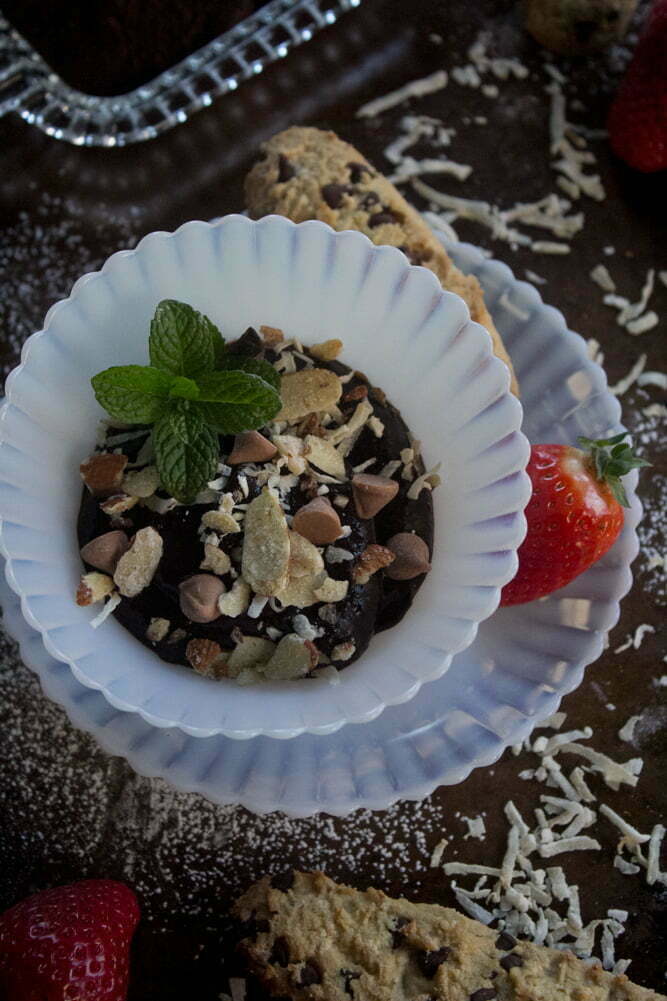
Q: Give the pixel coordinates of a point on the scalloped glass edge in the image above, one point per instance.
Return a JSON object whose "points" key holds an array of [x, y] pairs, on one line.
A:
{"points": [[42, 98], [135, 747]]}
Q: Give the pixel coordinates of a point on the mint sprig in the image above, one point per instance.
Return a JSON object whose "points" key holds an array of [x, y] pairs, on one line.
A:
{"points": [[193, 390], [612, 458]]}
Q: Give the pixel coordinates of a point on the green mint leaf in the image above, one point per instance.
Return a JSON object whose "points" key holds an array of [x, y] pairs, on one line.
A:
{"points": [[219, 349], [235, 401], [186, 452], [183, 388], [182, 341], [136, 394], [256, 366]]}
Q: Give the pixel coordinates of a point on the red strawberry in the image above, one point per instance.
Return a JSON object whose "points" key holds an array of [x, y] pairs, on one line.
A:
{"points": [[574, 515], [70, 943], [638, 117]]}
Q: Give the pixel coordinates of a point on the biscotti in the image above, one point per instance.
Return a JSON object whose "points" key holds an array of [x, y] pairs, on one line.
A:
{"points": [[310, 939], [306, 173]]}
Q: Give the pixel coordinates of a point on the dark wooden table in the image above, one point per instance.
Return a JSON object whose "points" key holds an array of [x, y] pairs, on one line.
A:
{"points": [[66, 809]]}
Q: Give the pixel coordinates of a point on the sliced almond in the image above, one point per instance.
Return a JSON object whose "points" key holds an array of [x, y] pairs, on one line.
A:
{"points": [[103, 473], [372, 559], [326, 350], [235, 602], [199, 596], [137, 566], [293, 658], [371, 493], [118, 504], [207, 658], [271, 335], [331, 590], [249, 652], [221, 522], [322, 454], [157, 630], [350, 431], [411, 556], [141, 482], [104, 552], [344, 651], [266, 547], [215, 560], [311, 390], [93, 587], [304, 558], [317, 521], [251, 446]]}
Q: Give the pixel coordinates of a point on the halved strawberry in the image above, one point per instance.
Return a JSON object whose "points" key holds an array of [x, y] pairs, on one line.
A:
{"points": [[574, 515], [70, 943]]}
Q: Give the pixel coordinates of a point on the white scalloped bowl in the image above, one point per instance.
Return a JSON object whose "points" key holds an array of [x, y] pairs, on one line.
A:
{"points": [[397, 324]]}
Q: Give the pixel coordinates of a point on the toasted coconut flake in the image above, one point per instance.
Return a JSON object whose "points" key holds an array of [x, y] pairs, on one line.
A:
{"points": [[110, 606], [349, 431], [309, 391], [266, 545]]}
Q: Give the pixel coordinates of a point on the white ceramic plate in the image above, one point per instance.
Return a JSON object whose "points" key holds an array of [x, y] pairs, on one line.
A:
{"points": [[523, 661], [398, 325]]}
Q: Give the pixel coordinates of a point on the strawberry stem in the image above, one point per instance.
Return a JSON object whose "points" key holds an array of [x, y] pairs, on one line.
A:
{"points": [[612, 458]]}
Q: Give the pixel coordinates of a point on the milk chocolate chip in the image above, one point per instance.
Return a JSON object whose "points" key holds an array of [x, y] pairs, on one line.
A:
{"points": [[251, 446], [372, 493], [412, 558], [318, 522], [104, 552], [199, 597]]}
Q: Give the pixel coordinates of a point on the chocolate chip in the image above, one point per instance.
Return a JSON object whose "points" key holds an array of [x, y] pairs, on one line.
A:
{"points": [[285, 169], [283, 880], [348, 976], [280, 952], [252, 928], [333, 194], [384, 218], [357, 171], [368, 201], [505, 941], [484, 994], [310, 974], [430, 961], [397, 939], [249, 344], [510, 961]]}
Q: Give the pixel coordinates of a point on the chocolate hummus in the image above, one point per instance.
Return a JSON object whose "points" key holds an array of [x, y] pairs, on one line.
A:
{"points": [[315, 535]]}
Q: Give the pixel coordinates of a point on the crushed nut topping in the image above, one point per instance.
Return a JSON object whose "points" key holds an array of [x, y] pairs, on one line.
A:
{"points": [[141, 482], [103, 473], [326, 350], [207, 658], [137, 566], [372, 559], [313, 390], [266, 547], [93, 587], [157, 630], [215, 560]]}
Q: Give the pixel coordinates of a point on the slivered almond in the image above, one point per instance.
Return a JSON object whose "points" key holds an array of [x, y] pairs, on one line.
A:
{"points": [[326, 350], [137, 566], [142, 482], [103, 473], [322, 454], [266, 546], [93, 587], [317, 521], [293, 658], [311, 390], [350, 431]]}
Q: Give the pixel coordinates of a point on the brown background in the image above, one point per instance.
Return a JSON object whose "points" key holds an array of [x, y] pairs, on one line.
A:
{"points": [[66, 809]]}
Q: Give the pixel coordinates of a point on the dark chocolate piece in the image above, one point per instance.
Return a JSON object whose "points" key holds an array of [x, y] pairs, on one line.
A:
{"points": [[310, 974], [510, 961], [357, 171], [286, 170], [280, 952], [283, 880], [505, 941], [382, 218], [484, 994], [430, 961], [333, 194]]}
